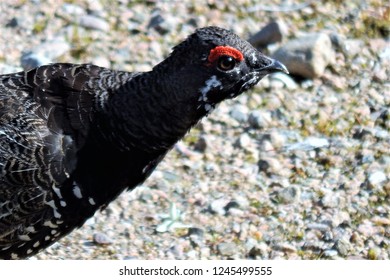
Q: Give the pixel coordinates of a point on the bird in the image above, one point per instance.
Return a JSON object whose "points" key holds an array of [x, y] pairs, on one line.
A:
{"points": [[75, 136]]}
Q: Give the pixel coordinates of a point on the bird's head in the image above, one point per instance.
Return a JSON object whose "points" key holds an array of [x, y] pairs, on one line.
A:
{"points": [[217, 65]]}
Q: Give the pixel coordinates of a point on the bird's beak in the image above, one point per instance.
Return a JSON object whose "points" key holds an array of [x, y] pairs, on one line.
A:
{"points": [[274, 66]]}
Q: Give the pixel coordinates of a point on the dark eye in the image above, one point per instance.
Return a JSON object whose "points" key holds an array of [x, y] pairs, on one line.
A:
{"points": [[226, 63]]}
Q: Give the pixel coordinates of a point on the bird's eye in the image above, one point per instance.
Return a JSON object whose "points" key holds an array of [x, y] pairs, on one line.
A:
{"points": [[226, 63]]}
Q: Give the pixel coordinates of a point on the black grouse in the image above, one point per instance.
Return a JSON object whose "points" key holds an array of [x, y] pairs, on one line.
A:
{"points": [[73, 137]]}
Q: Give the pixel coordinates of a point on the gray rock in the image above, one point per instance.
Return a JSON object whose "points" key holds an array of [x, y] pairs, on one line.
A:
{"points": [[171, 177], [284, 80], [236, 228], [230, 205], [328, 236], [343, 246], [19, 21], [278, 138], [186, 151], [194, 231], [235, 212], [156, 20], [377, 177], [202, 144], [258, 250], [309, 143], [218, 206], [367, 228], [14, 22], [269, 34], [162, 24], [94, 22], [91, 221], [264, 166], [367, 158], [318, 226], [71, 11], [338, 42], [96, 8], [242, 201], [330, 253], [134, 27], [32, 60], [381, 133], [330, 200], [267, 146], [212, 167], [381, 221], [307, 56], [205, 252], [340, 217], [285, 248], [239, 113], [288, 195], [382, 118], [192, 254], [130, 258], [102, 239], [227, 249], [177, 251], [363, 133], [353, 47], [259, 119], [243, 141]]}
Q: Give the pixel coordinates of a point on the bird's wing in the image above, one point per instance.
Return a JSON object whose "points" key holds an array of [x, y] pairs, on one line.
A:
{"points": [[45, 116]]}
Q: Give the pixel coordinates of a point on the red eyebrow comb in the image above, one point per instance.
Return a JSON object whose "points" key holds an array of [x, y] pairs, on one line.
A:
{"points": [[225, 50]]}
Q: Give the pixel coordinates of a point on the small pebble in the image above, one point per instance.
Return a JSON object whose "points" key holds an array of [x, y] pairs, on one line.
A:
{"points": [[309, 143], [330, 253], [71, 10], [259, 119], [32, 60], [102, 239], [218, 206], [239, 113], [93, 22], [284, 79], [227, 249], [376, 178], [285, 248], [318, 226], [343, 246], [244, 141], [288, 195]]}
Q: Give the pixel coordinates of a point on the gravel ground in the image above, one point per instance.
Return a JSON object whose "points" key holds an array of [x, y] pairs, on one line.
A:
{"points": [[295, 169]]}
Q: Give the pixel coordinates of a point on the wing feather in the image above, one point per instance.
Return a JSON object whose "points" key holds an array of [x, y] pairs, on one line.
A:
{"points": [[45, 116]]}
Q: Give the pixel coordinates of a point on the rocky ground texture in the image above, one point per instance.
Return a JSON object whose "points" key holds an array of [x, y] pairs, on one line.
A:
{"points": [[298, 168]]}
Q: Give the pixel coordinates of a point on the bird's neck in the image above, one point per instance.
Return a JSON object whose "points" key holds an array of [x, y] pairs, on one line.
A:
{"points": [[152, 112]]}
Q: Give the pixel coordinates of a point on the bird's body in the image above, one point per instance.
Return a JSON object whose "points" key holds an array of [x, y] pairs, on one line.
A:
{"points": [[73, 137]]}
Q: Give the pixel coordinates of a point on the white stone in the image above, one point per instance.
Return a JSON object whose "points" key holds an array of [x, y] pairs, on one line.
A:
{"points": [[377, 177]]}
